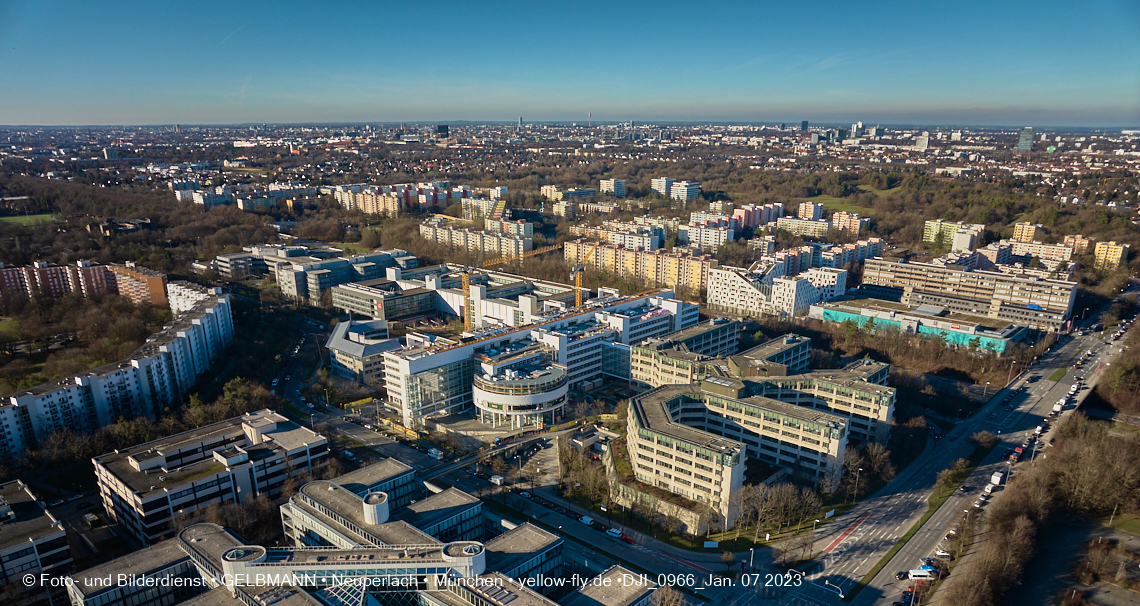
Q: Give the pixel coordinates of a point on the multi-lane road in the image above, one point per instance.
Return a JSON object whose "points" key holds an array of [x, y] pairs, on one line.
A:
{"points": [[851, 546]]}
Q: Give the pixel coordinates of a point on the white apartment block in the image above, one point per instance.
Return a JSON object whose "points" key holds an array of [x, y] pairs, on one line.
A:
{"points": [[705, 237], [518, 228], [662, 186], [736, 290], [496, 244], [811, 228], [153, 377], [684, 190], [155, 488], [613, 186], [633, 237], [1045, 252]]}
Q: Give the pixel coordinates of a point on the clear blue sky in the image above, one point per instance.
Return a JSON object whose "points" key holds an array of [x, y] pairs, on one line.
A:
{"points": [[916, 62]]}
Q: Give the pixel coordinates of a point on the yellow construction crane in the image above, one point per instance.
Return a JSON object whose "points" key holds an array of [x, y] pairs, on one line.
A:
{"points": [[577, 272], [537, 251], [468, 308]]}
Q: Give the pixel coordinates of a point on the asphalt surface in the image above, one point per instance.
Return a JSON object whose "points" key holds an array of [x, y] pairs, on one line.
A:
{"points": [[853, 544]]}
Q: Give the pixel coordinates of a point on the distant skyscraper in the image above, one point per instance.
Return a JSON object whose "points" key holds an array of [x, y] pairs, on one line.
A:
{"points": [[803, 126], [922, 141], [1025, 140], [441, 131], [520, 121]]}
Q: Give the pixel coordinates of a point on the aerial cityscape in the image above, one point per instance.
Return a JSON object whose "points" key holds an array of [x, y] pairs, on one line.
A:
{"points": [[509, 305]]}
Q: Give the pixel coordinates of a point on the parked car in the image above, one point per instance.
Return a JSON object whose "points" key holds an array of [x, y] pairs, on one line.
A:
{"points": [[587, 520], [614, 532], [627, 539]]}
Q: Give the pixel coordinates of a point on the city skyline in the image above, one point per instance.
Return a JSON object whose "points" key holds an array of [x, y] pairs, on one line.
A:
{"points": [[1059, 65]]}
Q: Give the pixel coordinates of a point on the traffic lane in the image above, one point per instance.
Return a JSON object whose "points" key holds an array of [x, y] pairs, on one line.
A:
{"points": [[652, 560]]}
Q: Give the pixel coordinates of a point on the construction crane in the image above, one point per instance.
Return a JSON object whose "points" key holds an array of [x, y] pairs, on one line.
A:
{"points": [[537, 251], [577, 272], [468, 308]]}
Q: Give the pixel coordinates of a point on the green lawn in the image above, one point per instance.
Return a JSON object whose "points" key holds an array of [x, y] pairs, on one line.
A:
{"points": [[838, 204], [8, 325], [877, 192], [1057, 375], [27, 219], [1126, 522]]}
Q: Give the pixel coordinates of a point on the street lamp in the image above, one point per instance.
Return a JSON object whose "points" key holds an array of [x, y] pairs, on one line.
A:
{"points": [[1009, 375], [958, 415], [986, 389], [751, 554], [855, 495]]}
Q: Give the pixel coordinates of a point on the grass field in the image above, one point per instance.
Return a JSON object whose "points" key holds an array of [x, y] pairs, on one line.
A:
{"points": [[8, 325], [1057, 375], [877, 192], [1126, 522], [837, 204], [27, 219]]}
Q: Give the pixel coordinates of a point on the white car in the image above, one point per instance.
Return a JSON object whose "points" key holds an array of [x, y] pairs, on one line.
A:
{"points": [[614, 532]]}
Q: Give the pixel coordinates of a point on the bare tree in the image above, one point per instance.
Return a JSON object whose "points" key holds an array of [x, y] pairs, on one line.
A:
{"points": [[666, 595]]}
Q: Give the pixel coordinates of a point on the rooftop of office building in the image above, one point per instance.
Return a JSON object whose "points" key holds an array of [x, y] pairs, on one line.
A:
{"points": [[350, 506], [436, 508], [21, 517], [775, 346], [927, 311], [623, 587], [155, 557], [279, 435], [359, 481], [649, 408], [516, 546]]}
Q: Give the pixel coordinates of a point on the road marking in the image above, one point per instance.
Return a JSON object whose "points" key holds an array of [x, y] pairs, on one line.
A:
{"points": [[845, 534], [686, 563]]}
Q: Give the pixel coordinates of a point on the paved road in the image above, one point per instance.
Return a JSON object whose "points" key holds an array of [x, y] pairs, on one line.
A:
{"points": [[853, 544]]}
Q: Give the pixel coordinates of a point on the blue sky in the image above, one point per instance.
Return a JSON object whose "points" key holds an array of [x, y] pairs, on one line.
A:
{"points": [[916, 62]]}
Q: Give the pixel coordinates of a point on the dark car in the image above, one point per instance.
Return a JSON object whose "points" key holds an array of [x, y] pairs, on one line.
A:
{"points": [[900, 575]]}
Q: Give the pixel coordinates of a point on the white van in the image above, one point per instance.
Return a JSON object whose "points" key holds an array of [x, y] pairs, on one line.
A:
{"points": [[924, 575], [587, 520], [988, 489]]}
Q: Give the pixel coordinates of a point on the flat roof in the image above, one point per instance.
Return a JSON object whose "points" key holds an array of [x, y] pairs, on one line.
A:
{"points": [[156, 557], [775, 346], [650, 410], [351, 507], [902, 308], [436, 508], [517, 545], [698, 329], [29, 520], [363, 479], [623, 588], [287, 436]]}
